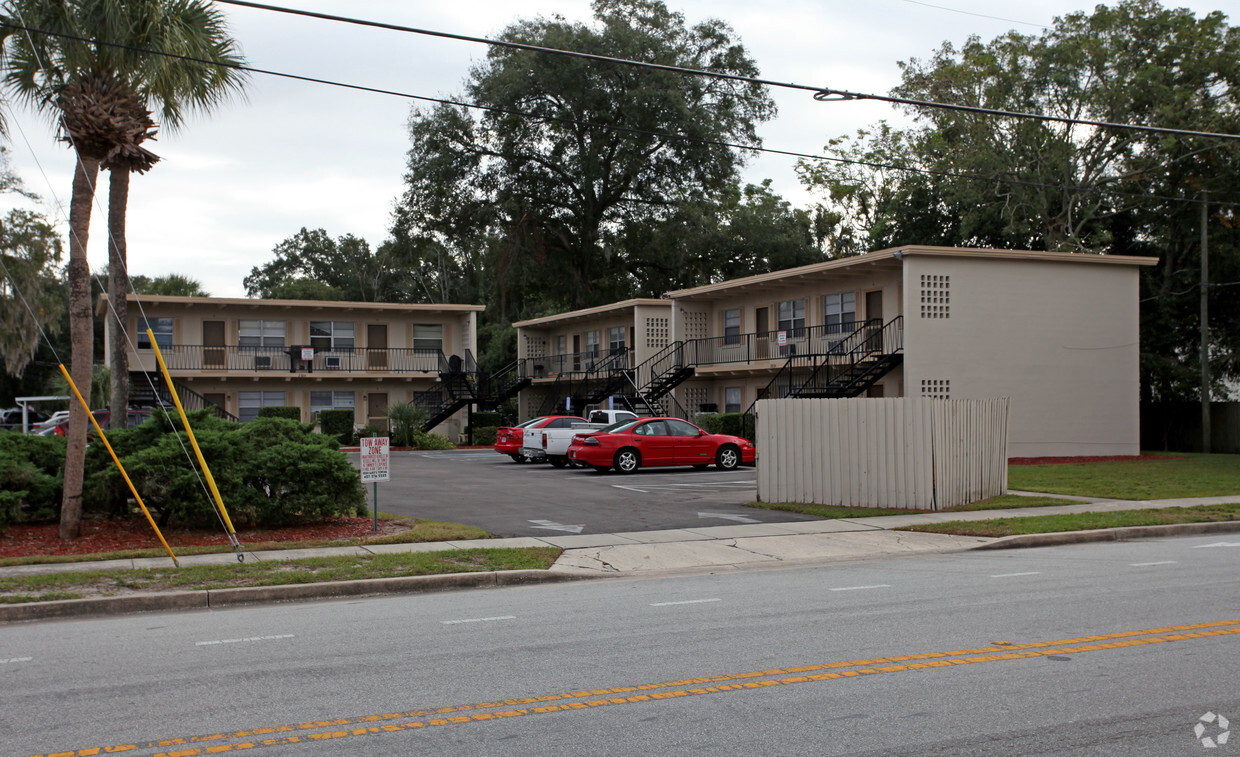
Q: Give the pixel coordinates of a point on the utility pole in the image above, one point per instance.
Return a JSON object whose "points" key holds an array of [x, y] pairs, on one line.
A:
{"points": [[1205, 327]]}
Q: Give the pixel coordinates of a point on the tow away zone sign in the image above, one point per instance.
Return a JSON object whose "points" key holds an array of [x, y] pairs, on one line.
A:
{"points": [[374, 458]]}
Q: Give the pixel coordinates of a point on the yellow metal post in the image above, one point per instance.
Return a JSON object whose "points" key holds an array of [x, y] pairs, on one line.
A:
{"points": [[219, 502], [116, 460]]}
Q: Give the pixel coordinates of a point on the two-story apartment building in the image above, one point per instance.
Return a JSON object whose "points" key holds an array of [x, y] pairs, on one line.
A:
{"points": [[243, 354], [586, 356], [1057, 333]]}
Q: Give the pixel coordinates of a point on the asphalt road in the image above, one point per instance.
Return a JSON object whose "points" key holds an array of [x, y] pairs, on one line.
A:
{"points": [[485, 489], [1101, 649]]}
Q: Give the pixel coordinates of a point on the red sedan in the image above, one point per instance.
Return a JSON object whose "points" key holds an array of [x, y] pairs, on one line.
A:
{"points": [[509, 439], [629, 445]]}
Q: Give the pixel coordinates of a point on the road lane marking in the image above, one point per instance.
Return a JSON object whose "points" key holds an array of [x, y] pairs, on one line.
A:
{"points": [[551, 525], [1014, 575], [1147, 564], [478, 620], [380, 723], [1218, 544], [859, 588], [16, 659], [685, 602], [647, 488], [726, 516], [247, 638]]}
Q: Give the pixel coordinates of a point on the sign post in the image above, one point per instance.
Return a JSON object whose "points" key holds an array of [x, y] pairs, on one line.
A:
{"points": [[375, 466]]}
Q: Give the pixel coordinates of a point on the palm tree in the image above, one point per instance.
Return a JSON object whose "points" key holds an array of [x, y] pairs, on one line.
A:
{"points": [[89, 68]]}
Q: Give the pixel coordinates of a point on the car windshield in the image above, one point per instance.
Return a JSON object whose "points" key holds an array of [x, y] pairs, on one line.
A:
{"points": [[624, 425]]}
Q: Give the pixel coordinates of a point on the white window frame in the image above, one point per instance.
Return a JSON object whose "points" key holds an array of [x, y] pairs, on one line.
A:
{"points": [[790, 318], [614, 345], [839, 310], [339, 336], [162, 328], [249, 403], [425, 339], [731, 393], [263, 334], [331, 400], [732, 326]]}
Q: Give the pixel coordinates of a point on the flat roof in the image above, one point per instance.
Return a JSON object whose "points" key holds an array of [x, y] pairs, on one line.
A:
{"points": [[573, 315], [893, 258], [248, 302]]}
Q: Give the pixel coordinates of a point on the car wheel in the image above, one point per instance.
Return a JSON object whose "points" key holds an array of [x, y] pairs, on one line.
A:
{"points": [[628, 460], [728, 457], [518, 458], [558, 462]]}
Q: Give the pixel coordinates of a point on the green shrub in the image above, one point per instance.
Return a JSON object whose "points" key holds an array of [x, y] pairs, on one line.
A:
{"points": [[337, 423], [280, 411], [424, 440], [483, 419], [725, 423], [368, 430], [405, 419], [31, 477], [485, 435], [271, 471]]}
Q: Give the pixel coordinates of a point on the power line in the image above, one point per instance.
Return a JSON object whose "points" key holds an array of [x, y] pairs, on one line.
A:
{"points": [[821, 94], [642, 132]]}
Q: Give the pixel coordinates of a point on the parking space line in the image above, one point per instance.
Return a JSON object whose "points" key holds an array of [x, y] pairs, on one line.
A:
{"points": [[1014, 575], [478, 620], [859, 588], [1147, 564], [685, 602]]}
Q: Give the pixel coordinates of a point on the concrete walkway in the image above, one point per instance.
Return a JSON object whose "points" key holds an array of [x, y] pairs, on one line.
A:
{"points": [[632, 554]]}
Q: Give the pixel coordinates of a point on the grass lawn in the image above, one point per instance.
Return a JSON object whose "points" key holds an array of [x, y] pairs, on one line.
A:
{"points": [[78, 585], [1046, 524], [1188, 476]]}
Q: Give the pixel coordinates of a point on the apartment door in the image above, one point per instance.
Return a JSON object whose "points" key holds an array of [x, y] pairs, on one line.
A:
{"points": [[761, 340], [576, 352], [213, 398], [377, 349], [376, 410], [874, 317], [213, 350]]}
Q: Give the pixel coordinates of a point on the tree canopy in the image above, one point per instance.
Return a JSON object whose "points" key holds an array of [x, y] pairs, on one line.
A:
{"points": [[568, 162], [969, 179]]}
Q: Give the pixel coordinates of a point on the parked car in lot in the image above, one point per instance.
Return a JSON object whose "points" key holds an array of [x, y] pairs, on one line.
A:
{"points": [[630, 445], [104, 417], [11, 419], [550, 443], [510, 439]]}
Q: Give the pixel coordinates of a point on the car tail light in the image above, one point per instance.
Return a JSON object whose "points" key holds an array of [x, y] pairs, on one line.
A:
{"points": [[544, 440], [591, 441]]}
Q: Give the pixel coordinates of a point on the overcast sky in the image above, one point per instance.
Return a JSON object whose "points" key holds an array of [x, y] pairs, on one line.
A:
{"points": [[232, 186]]}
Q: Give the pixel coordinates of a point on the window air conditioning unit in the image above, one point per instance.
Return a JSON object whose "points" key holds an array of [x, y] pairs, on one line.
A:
{"points": [[262, 361], [332, 361]]}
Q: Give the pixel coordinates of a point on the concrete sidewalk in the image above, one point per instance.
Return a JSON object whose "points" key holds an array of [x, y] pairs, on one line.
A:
{"points": [[632, 554]]}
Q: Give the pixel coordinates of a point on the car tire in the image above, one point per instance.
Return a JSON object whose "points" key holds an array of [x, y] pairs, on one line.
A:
{"points": [[518, 458], [628, 460], [558, 462], [728, 457]]}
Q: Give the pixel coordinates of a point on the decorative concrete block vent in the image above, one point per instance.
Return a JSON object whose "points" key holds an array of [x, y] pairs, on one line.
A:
{"points": [[906, 452]]}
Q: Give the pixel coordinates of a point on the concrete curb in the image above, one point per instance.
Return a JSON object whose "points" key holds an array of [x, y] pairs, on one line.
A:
{"points": [[1110, 534], [247, 595]]}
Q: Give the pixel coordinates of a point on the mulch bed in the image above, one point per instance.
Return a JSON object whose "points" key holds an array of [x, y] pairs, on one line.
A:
{"points": [[1096, 459], [116, 534]]}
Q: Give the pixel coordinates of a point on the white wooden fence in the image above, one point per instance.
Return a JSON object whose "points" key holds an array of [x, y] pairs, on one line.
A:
{"points": [[906, 452]]}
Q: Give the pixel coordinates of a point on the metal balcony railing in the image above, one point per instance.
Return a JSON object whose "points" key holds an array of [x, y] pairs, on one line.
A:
{"points": [[236, 359]]}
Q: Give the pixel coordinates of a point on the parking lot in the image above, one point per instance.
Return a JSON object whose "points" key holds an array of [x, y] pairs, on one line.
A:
{"points": [[485, 489]]}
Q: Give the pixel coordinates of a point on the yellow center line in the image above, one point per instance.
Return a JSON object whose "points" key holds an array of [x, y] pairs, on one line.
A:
{"points": [[323, 730]]}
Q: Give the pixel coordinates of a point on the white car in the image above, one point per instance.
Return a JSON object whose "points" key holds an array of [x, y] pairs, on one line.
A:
{"points": [[47, 426]]}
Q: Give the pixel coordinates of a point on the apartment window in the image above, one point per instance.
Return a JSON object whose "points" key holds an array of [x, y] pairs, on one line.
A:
{"points": [[592, 343], [248, 403], [161, 327], [561, 345], [732, 326], [732, 399], [332, 336], [320, 401], [839, 312], [255, 333], [792, 317], [428, 336], [615, 340]]}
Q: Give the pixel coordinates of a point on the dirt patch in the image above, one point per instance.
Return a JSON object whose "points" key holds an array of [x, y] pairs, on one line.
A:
{"points": [[118, 534]]}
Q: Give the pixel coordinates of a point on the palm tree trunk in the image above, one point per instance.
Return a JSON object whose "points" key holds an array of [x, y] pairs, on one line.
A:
{"points": [[118, 288], [81, 337]]}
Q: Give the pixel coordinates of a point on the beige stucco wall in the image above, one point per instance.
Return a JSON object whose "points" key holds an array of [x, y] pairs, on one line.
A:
{"points": [[1058, 338]]}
